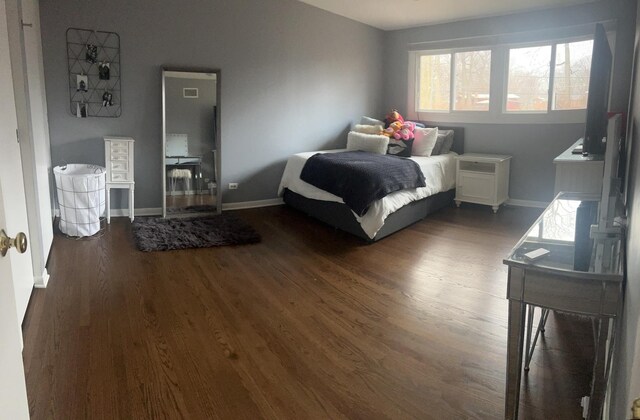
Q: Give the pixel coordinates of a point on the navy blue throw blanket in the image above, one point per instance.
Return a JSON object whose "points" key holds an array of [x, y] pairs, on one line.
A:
{"points": [[360, 178]]}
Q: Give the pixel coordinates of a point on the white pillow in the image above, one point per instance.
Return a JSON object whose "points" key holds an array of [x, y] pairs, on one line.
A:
{"points": [[425, 141], [371, 121], [368, 129], [367, 142]]}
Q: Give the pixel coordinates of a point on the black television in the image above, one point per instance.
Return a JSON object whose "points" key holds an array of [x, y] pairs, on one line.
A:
{"points": [[598, 98]]}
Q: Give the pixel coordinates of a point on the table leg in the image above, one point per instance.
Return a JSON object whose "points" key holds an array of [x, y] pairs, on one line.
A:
{"points": [[515, 338], [599, 381], [528, 352], [131, 203], [107, 197], [531, 344]]}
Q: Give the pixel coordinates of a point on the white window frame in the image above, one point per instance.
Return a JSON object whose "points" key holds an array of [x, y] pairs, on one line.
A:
{"points": [[497, 113]]}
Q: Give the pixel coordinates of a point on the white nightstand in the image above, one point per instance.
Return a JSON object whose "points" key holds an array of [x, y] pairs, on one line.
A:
{"points": [[118, 158], [482, 179]]}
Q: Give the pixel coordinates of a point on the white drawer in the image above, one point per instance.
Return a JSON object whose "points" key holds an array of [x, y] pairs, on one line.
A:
{"points": [[124, 157], [120, 177], [120, 166], [119, 144], [119, 151], [485, 167]]}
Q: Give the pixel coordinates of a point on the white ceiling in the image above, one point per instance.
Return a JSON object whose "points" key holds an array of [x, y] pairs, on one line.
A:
{"points": [[398, 14]]}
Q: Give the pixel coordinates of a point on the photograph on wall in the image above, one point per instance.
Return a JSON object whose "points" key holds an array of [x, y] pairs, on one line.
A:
{"points": [[107, 99], [82, 83], [92, 53], [81, 110], [103, 70]]}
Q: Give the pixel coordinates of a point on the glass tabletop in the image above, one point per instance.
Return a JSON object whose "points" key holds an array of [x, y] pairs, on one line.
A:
{"points": [[563, 230]]}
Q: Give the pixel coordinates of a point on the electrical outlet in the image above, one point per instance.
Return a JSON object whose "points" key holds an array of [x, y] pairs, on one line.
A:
{"points": [[233, 185]]}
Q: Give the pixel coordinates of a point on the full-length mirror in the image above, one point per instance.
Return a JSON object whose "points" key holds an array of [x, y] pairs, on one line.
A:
{"points": [[191, 141]]}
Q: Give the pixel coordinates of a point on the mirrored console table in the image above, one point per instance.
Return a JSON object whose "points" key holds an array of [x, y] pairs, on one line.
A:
{"points": [[569, 279]]}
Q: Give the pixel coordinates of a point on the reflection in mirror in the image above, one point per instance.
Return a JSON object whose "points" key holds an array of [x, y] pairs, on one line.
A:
{"points": [[191, 158]]}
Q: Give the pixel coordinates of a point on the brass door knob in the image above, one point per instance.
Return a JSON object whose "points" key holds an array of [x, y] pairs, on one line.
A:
{"points": [[635, 409], [19, 243]]}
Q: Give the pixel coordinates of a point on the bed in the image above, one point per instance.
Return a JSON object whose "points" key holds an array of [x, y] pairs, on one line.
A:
{"points": [[386, 216]]}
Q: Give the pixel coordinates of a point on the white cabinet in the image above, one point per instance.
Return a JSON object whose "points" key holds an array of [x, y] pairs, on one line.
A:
{"points": [[577, 173], [118, 157], [482, 179]]}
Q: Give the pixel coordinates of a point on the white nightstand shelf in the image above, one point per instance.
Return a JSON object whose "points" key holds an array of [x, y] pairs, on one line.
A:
{"points": [[482, 179], [118, 158]]}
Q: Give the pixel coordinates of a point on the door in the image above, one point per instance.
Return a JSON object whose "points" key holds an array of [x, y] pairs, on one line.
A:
{"points": [[11, 178], [13, 392]]}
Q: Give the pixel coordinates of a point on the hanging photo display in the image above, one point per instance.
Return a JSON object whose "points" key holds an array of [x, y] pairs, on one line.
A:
{"points": [[94, 67], [104, 70], [82, 83], [107, 98], [92, 53]]}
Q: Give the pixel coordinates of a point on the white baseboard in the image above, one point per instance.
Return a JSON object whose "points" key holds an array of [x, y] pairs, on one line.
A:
{"points": [[41, 281], [156, 211], [526, 203], [153, 211], [252, 204]]}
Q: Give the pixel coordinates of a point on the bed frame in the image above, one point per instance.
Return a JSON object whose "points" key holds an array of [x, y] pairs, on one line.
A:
{"points": [[340, 216]]}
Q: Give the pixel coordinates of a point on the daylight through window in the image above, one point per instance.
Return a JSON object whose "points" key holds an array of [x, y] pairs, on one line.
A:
{"points": [[571, 78], [528, 87], [533, 79], [472, 75], [470, 88], [435, 82]]}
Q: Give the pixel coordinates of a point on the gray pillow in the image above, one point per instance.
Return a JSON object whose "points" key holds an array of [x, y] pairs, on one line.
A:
{"points": [[443, 143], [371, 121]]}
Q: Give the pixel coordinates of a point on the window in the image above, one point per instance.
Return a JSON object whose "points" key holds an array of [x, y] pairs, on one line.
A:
{"points": [[501, 81], [571, 77], [468, 90], [529, 76], [528, 79], [472, 74], [435, 82]]}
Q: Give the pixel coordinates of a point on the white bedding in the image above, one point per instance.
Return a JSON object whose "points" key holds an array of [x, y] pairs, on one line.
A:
{"points": [[439, 172]]}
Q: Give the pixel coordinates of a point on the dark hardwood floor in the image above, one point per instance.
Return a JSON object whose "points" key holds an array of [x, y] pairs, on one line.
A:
{"points": [[309, 324]]}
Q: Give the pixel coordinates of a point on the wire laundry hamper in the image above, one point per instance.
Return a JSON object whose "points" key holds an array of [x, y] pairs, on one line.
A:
{"points": [[81, 198]]}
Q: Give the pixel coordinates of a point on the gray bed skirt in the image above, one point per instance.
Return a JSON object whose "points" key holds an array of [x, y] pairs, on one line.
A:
{"points": [[341, 217]]}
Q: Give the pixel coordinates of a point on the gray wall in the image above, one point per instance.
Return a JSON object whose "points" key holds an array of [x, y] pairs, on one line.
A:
{"points": [[533, 146], [193, 117], [626, 371], [293, 79]]}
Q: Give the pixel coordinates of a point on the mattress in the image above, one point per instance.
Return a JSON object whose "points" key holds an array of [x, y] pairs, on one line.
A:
{"points": [[439, 172]]}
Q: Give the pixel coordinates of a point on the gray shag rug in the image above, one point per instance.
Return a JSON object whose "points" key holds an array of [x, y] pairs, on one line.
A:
{"points": [[157, 234]]}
